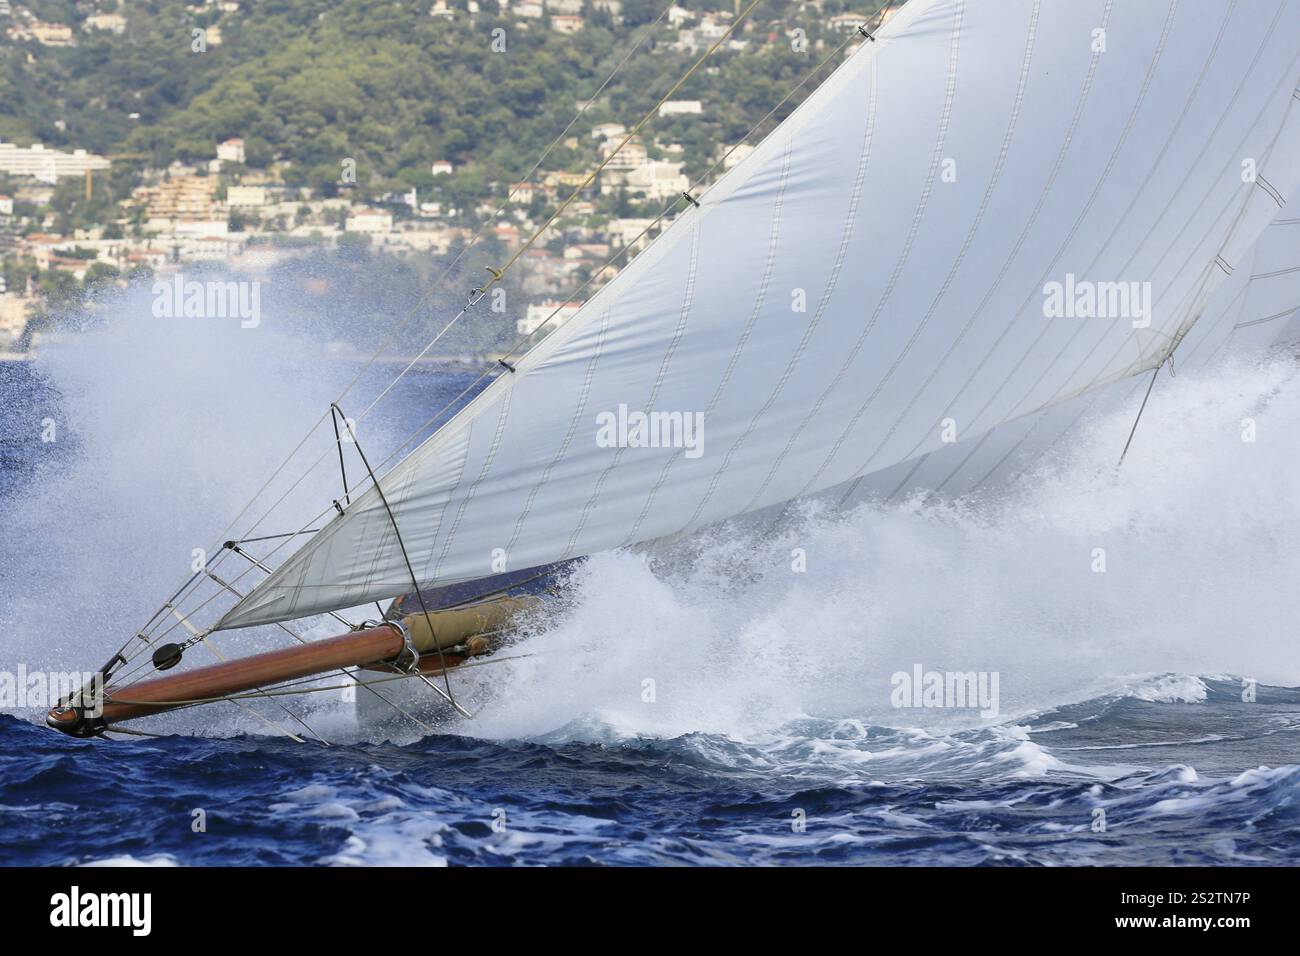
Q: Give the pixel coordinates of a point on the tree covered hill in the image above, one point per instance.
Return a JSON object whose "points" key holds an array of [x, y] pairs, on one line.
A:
{"points": [[310, 83]]}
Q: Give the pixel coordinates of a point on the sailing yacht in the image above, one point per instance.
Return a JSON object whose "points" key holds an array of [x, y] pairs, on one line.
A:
{"points": [[993, 216]]}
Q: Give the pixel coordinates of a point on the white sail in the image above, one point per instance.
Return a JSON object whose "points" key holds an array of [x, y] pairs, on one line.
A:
{"points": [[993, 208], [1258, 307]]}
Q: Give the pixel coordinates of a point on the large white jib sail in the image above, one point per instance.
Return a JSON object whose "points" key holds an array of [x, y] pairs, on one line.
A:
{"points": [[992, 208]]}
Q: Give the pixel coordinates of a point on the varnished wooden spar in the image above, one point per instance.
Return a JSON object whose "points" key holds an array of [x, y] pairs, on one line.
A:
{"points": [[464, 622], [363, 648]]}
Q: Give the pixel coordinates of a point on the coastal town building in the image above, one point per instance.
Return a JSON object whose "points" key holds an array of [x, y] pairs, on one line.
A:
{"points": [[247, 196], [370, 221], [47, 165], [655, 180], [14, 313], [46, 34], [190, 199], [218, 209], [548, 313], [681, 108], [231, 151], [109, 22]]}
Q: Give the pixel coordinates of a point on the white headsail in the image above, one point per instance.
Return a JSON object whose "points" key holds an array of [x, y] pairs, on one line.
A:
{"points": [[1256, 308], [993, 208]]}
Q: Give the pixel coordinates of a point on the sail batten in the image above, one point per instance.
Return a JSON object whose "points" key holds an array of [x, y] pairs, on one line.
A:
{"points": [[879, 278]]}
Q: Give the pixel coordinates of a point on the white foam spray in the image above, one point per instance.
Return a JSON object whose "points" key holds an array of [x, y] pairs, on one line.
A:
{"points": [[1201, 539], [173, 424], [177, 424]]}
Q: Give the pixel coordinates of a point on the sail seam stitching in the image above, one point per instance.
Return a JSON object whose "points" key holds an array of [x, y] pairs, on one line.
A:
{"points": [[1192, 291], [759, 301], [1074, 229], [918, 217], [1084, 93], [684, 315], [1102, 374], [850, 220], [583, 397], [473, 489]]}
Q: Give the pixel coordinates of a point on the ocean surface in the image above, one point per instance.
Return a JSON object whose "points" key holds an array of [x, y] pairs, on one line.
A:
{"points": [[714, 711], [1166, 773]]}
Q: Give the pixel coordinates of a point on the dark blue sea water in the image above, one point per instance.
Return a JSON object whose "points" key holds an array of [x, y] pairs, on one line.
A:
{"points": [[1123, 738], [695, 799]]}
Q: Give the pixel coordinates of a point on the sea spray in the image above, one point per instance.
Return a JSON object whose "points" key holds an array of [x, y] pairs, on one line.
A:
{"points": [[166, 427], [734, 632], [1199, 530]]}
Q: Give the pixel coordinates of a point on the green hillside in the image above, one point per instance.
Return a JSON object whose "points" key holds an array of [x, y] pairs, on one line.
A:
{"points": [[308, 83]]}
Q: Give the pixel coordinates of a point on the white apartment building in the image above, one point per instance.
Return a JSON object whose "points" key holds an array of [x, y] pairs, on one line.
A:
{"points": [[681, 108], [246, 196], [47, 165], [231, 151], [110, 22]]}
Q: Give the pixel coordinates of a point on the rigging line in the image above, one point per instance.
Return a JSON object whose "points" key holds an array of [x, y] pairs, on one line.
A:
{"points": [[1174, 340], [882, 11], [1141, 409], [485, 374], [338, 443], [325, 511], [238, 577], [671, 205], [1084, 93], [162, 609], [115, 729], [496, 275], [645, 35], [250, 709], [496, 214], [272, 537], [415, 582], [202, 637], [342, 670], [260, 716], [1198, 288]]}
